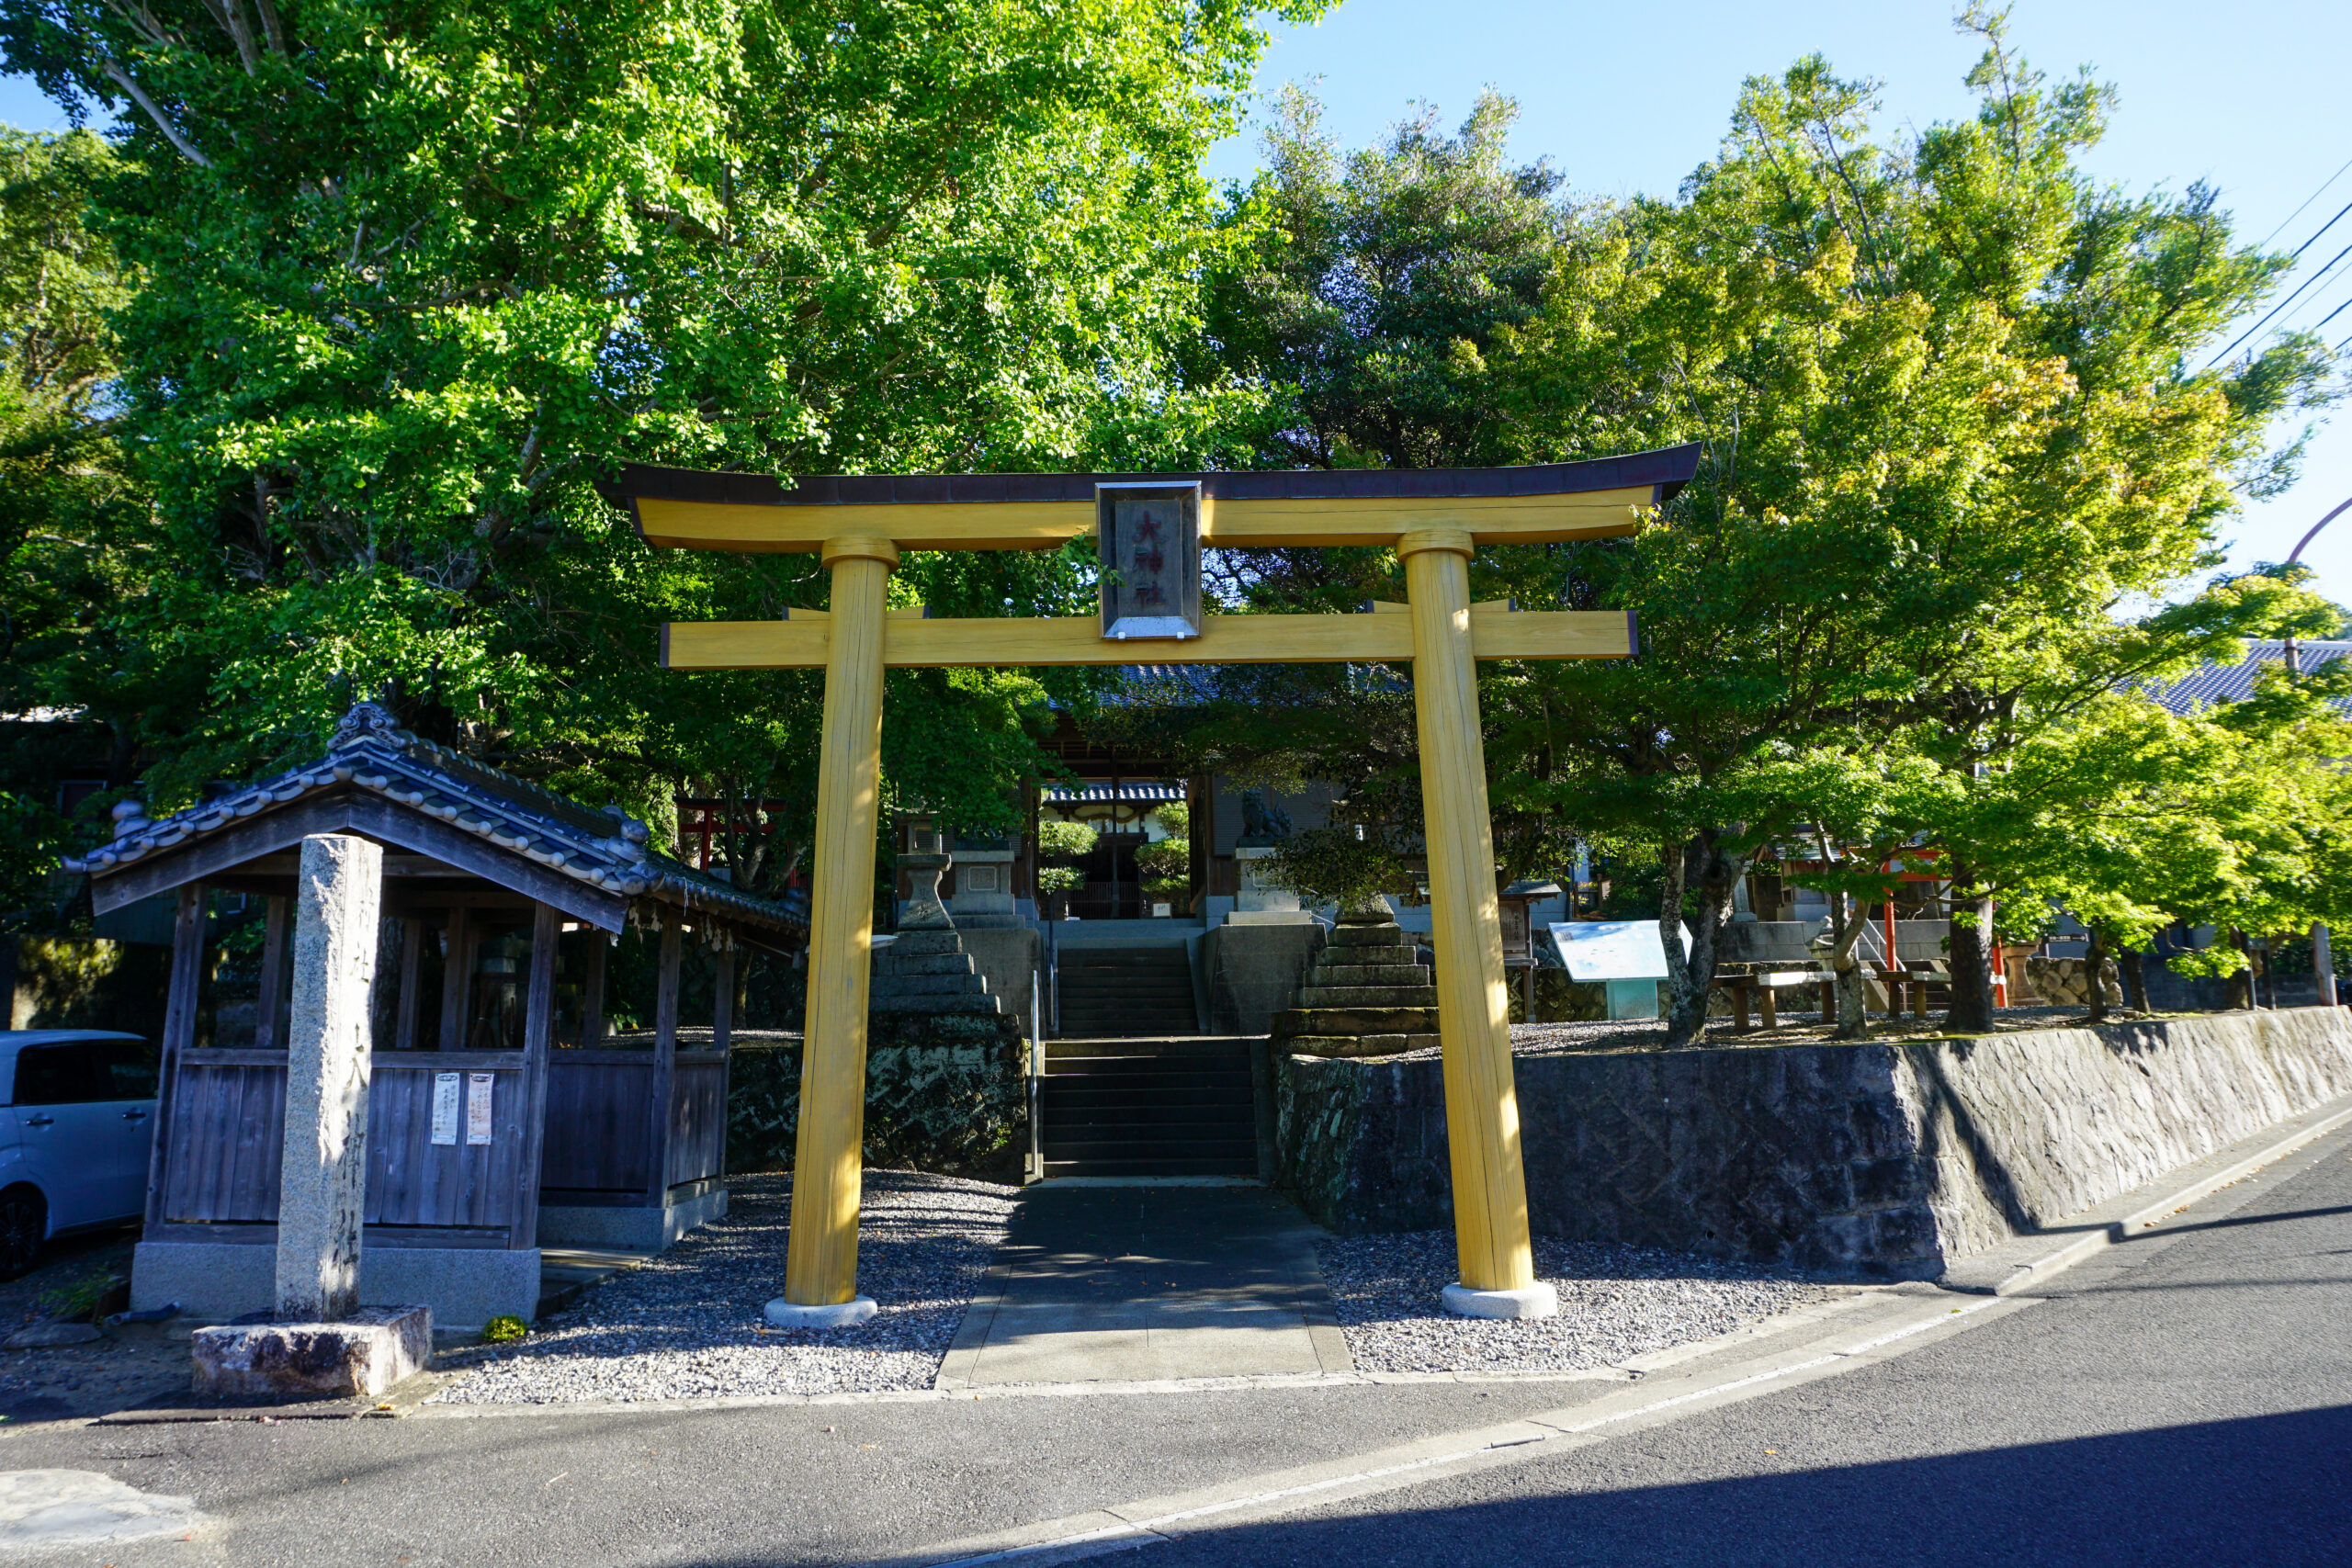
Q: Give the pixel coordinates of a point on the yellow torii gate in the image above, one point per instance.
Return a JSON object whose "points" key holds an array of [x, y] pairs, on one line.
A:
{"points": [[1432, 518]]}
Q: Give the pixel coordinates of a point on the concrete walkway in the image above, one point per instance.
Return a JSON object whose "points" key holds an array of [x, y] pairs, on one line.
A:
{"points": [[1119, 1283]]}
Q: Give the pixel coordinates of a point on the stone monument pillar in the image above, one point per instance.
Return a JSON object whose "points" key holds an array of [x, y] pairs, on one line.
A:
{"points": [[325, 1176], [325, 1342]]}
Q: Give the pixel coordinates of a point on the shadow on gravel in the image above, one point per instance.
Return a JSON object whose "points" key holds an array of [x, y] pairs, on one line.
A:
{"points": [[2269, 1489]]}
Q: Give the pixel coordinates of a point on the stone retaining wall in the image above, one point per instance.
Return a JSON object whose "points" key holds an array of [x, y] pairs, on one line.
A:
{"points": [[1871, 1160], [943, 1094]]}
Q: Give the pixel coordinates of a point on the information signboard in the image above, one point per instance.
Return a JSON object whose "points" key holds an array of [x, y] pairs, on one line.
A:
{"points": [[1610, 950], [1628, 956]]}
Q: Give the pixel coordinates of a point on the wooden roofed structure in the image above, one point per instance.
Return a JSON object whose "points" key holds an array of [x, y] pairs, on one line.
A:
{"points": [[503, 1112]]}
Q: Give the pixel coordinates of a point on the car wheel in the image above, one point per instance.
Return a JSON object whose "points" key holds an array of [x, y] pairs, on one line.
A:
{"points": [[23, 1219]]}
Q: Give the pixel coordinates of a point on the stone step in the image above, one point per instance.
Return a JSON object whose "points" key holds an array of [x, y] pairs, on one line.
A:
{"points": [[1143, 1066], [1070, 1124], [1421, 996], [1120, 1144], [1370, 975], [891, 961], [1221, 1165], [1355, 1020], [1366, 936], [1080, 1097], [1192, 1047], [1366, 957], [1358, 1045], [924, 943], [983, 1003], [928, 984]]}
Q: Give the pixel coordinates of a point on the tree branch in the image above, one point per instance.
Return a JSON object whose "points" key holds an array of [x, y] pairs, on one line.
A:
{"points": [[138, 94]]}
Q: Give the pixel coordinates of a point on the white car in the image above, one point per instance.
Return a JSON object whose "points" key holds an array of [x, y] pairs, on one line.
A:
{"points": [[76, 1138]]}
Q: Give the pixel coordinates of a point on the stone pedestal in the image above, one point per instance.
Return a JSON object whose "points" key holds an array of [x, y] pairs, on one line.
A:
{"points": [[1538, 1299], [983, 889], [322, 1180], [1255, 895], [1367, 996], [361, 1355]]}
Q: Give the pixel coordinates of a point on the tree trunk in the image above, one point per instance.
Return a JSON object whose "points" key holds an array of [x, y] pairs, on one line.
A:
{"points": [[1674, 876], [2094, 982], [1973, 954], [2241, 982], [2135, 978], [1717, 876], [1846, 917]]}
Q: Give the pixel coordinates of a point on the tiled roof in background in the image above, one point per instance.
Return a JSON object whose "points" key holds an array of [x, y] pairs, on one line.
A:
{"points": [[2234, 682], [1067, 794]]}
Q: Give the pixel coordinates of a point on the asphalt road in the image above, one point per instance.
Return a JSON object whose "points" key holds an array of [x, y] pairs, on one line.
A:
{"points": [[2187, 1399], [2183, 1399]]}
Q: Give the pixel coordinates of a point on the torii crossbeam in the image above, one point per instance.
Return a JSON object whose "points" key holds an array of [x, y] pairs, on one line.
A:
{"points": [[1432, 518]]}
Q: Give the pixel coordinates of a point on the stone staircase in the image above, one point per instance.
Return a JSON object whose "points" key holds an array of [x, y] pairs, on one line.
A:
{"points": [[1110, 993], [1367, 996], [1148, 1108]]}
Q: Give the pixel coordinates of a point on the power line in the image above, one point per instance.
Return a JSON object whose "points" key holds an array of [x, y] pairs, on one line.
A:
{"points": [[2307, 201], [2286, 323], [2282, 304], [2318, 232]]}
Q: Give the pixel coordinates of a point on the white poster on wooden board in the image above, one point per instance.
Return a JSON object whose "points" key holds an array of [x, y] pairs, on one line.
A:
{"points": [[479, 1088], [445, 1107]]}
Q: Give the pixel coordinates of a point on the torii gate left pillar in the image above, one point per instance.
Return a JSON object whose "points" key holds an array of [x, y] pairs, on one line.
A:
{"points": [[1434, 520], [828, 1171]]}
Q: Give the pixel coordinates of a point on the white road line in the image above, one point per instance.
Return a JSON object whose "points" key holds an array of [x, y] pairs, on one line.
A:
{"points": [[1143, 1532]]}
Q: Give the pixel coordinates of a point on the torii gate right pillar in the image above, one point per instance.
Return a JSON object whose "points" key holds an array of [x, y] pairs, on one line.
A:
{"points": [[1473, 1009]]}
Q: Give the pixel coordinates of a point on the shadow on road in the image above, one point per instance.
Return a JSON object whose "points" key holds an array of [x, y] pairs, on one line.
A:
{"points": [[2265, 1490]]}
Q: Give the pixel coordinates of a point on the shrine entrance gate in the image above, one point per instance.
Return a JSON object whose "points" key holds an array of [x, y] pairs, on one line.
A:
{"points": [[1150, 529]]}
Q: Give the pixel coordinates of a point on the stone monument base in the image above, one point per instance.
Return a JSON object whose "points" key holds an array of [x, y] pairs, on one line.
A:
{"points": [[215, 1280], [364, 1354]]}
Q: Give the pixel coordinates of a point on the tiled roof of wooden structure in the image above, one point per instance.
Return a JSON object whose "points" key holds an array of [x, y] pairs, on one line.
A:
{"points": [[602, 850], [2211, 683]]}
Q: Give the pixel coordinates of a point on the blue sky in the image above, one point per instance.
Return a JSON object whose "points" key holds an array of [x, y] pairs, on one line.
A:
{"points": [[2252, 97]]}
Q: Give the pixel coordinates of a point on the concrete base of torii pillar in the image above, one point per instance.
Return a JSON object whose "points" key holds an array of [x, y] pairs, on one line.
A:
{"points": [[321, 1341]]}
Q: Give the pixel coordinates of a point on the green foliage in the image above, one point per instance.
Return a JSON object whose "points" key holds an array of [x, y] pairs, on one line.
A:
{"points": [[79, 1299], [1335, 866], [410, 279], [1057, 879], [1166, 864], [504, 1329], [76, 542], [1064, 839]]}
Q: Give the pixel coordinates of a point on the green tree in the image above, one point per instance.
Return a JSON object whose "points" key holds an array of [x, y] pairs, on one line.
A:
{"points": [[74, 527], [416, 276], [1954, 429]]}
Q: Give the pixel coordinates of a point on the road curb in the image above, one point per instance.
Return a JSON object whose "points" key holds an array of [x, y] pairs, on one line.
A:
{"points": [[1123, 1527], [2029, 1260]]}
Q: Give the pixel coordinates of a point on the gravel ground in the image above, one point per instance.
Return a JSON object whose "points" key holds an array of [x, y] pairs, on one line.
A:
{"points": [[687, 1324], [1615, 1301]]}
